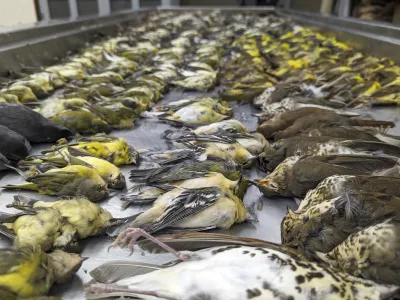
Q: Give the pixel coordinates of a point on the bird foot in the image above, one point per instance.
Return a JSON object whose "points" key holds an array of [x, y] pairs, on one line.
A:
{"points": [[131, 235]]}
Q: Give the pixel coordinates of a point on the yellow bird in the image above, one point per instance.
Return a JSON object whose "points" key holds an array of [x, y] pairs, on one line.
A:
{"points": [[29, 272]]}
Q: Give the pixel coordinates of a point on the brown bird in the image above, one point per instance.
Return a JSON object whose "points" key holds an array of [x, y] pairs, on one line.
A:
{"points": [[372, 253], [296, 175], [336, 185], [355, 133], [324, 226], [320, 145], [292, 123]]}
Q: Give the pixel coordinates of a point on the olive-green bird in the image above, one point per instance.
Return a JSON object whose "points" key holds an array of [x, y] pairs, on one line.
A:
{"points": [[83, 121], [296, 175], [56, 224], [115, 150], [110, 173], [305, 145], [324, 226], [371, 253], [29, 272], [72, 180]]}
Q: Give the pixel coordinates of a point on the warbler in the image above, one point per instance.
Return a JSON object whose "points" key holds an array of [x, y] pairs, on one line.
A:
{"points": [[58, 224], [115, 150], [109, 172], [29, 272], [232, 126], [72, 180], [210, 179], [256, 271], [198, 208]]}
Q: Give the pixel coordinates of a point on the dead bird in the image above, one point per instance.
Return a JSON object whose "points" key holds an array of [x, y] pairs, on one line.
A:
{"points": [[13, 146], [324, 226], [355, 133], [320, 145], [258, 279], [296, 175], [192, 209], [370, 253], [291, 123], [36, 129]]}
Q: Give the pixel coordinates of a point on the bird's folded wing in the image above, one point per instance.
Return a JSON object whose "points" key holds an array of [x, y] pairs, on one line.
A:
{"points": [[188, 203]]}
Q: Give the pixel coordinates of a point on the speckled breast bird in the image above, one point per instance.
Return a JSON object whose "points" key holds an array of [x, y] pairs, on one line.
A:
{"points": [[372, 253], [322, 145], [324, 226], [336, 185], [239, 272], [296, 175]]}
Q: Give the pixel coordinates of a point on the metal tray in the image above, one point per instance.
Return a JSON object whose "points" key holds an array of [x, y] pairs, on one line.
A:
{"points": [[146, 134]]}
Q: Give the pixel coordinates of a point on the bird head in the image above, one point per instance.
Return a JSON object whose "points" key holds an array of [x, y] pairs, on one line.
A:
{"points": [[132, 155], [117, 181], [64, 264], [97, 191], [271, 157]]}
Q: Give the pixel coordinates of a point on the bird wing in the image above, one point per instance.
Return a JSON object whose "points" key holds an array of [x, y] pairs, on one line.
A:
{"points": [[10, 258], [206, 138], [188, 203], [361, 163], [55, 181], [110, 272], [102, 138], [371, 146]]}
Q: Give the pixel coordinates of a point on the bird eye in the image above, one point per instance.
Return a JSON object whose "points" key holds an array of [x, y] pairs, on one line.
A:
{"points": [[298, 153], [273, 186], [305, 219]]}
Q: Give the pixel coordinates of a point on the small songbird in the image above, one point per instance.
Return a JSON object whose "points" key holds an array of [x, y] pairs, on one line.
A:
{"points": [[336, 185], [296, 175], [371, 253], [322, 145], [232, 126], [115, 150], [153, 191], [324, 226], [198, 208], [291, 123], [55, 224], [29, 272], [355, 133], [253, 271], [72, 180], [229, 145]]}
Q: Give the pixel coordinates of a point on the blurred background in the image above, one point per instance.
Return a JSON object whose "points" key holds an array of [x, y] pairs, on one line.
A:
{"points": [[19, 12]]}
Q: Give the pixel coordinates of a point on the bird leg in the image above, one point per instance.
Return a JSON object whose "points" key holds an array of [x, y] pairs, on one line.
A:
{"points": [[104, 288], [132, 234]]}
